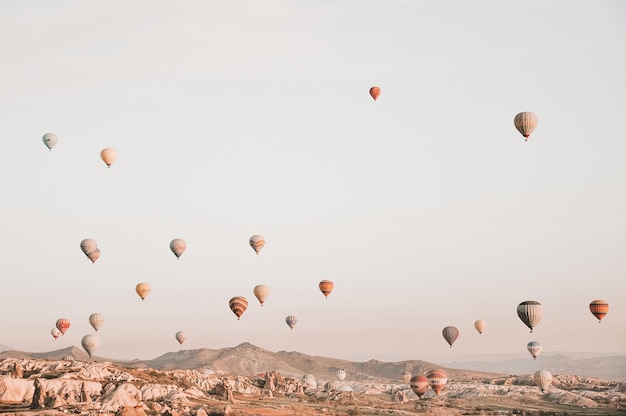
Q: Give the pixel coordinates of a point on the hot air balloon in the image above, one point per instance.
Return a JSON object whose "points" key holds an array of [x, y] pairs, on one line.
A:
{"points": [[178, 246], [330, 385], [261, 292], [94, 255], [534, 348], [599, 308], [326, 286], [437, 379], [525, 123], [480, 326], [309, 380], [419, 385], [49, 139], [142, 290], [88, 246], [450, 334], [257, 242], [238, 305], [291, 321], [341, 374], [90, 343], [63, 325], [96, 320], [542, 379], [180, 337], [375, 92], [55, 332], [405, 376], [108, 156], [530, 313]]}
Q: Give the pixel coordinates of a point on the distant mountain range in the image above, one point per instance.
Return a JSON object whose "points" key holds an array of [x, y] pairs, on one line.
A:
{"points": [[248, 359]]}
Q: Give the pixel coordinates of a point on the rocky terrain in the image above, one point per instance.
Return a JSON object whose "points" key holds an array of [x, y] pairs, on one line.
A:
{"points": [[259, 382]]}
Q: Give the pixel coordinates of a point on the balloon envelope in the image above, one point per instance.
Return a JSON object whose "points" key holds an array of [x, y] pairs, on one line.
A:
{"points": [[419, 385], [405, 376], [178, 246], [341, 374], [49, 139], [375, 92], [108, 156], [90, 343], [63, 325], [525, 123], [542, 379], [142, 290], [437, 379], [291, 321], [180, 337], [534, 348], [261, 292], [450, 334], [480, 326], [530, 312], [257, 242], [55, 332], [599, 308], [96, 320], [326, 286], [238, 305]]}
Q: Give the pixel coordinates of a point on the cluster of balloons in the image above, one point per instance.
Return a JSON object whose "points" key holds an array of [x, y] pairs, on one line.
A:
{"points": [[435, 379], [108, 155], [90, 248]]}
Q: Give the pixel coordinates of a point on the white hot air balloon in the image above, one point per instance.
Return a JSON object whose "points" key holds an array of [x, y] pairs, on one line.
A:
{"points": [[55, 332], [50, 139], [534, 348], [341, 374], [181, 337], [543, 379], [96, 320], [90, 343]]}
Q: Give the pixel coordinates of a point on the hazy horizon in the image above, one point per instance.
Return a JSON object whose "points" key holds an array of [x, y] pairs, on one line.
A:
{"points": [[426, 207]]}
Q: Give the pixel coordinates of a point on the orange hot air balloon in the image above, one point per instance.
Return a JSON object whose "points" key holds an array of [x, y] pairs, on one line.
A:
{"points": [[238, 305], [375, 92], [437, 380], [599, 308], [63, 325], [419, 385], [108, 156], [525, 123], [142, 290], [326, 286]]}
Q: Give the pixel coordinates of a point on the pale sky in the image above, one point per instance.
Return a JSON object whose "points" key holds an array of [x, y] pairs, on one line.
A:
{"points": [[426, 208]]}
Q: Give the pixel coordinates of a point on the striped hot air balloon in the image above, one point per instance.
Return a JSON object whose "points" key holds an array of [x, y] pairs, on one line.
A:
{"points": [[238, 305], [340, 374], [291, 321], [534, 348], [599, 308], [450, 334], [257, 242], [63, 324], [530, 312], [542, 379], [525, 123], [419, 385], [437, 380]]}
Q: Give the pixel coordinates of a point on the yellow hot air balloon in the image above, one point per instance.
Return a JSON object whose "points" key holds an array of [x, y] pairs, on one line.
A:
{"points": [[261, 292], [257, 242], [142, 290], [96, 320], [178, 246], [108, 156], [480, 325], [326, 286], [525, 123], [238, 305]]}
